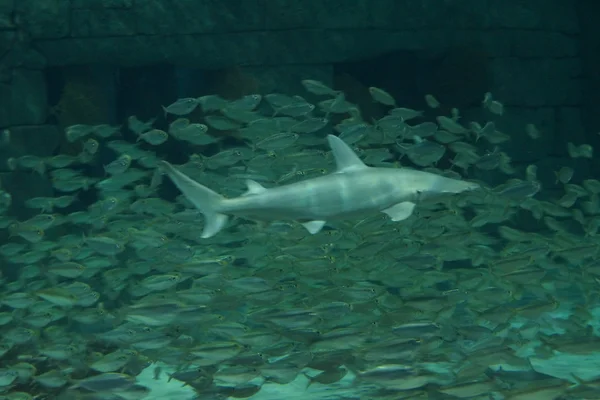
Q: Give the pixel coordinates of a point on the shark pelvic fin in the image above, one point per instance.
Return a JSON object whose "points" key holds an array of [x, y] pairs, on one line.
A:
{"points": [[313, 226], [253, 187], [345, 158], [400, 211]]}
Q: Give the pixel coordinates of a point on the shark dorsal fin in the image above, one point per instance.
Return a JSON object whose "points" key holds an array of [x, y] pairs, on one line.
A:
{"points": [[345, 158], [253, 187]]}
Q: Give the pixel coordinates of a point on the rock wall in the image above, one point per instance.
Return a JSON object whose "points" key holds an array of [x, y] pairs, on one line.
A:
{"points": [[534, 45]]}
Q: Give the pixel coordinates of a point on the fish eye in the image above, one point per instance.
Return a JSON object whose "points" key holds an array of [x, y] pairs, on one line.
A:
{"points": [[226, 261], [237, 153]]}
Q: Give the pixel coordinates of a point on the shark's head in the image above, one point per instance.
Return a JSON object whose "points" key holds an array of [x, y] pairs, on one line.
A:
{"points": [[431, 186], [447, 185]]}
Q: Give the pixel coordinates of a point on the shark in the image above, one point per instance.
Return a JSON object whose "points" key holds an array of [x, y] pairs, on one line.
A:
{"points": [[352, 190]]}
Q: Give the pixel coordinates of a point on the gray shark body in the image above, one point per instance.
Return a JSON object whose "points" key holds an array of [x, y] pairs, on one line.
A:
{"points": [[353, 190]]}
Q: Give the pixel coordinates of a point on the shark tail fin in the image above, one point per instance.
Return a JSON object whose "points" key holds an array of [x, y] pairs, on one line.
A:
{"points": [[204, 199]]}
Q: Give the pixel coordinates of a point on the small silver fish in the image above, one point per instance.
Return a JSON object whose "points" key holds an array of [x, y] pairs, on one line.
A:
{"points": [[278, 141], [381, 96], [154, 137], [119, 165], [91, 146], [182, 106], [318, 88]]}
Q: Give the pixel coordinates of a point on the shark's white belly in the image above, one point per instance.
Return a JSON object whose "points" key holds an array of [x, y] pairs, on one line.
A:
{"points": [[324, 198]]}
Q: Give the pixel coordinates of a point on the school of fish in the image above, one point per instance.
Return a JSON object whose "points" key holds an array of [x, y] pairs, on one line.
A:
{"points": [[254, 241]]}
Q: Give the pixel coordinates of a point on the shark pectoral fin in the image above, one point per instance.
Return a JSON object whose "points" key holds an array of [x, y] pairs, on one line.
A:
{"points": [[314, 226], [400, 211], [345, 158], [213, 223]]}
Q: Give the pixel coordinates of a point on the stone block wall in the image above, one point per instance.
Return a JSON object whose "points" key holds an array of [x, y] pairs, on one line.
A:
{"points": [[590, 56], [534, 45]]}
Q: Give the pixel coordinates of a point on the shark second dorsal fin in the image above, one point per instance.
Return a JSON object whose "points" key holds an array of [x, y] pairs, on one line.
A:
{"points": [[253, 188], [314, 227], [345, 158]]}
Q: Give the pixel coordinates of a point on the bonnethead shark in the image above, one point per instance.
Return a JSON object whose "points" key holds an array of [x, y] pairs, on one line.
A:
{"points": [[353, 190]]}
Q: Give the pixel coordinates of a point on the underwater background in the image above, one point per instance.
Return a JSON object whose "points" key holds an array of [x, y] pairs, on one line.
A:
{"points": [[110, 290]]}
